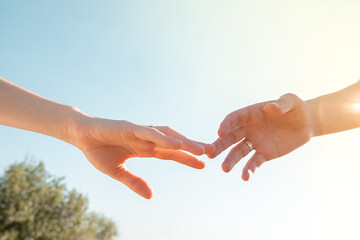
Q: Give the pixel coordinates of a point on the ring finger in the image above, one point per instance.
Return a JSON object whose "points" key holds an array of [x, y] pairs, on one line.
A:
{"points": [[236, 154]]}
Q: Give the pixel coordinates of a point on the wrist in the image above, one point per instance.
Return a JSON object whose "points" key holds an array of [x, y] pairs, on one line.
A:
{"points": [[75, 125], [314, 117]]}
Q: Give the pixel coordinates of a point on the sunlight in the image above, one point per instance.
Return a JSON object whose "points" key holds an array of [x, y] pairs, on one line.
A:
{"points": [[356, 106]]}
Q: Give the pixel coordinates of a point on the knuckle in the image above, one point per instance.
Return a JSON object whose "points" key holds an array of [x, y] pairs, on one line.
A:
{"points": [[234, 151], [231, 158], [220, 145], [126, 124], [167, 128], [117, 173], [164, 129], [152, 131], [146, 150]]}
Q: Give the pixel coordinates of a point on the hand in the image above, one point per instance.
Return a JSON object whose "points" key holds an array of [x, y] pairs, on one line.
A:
{"points": [[274, 128], [108, 144]]}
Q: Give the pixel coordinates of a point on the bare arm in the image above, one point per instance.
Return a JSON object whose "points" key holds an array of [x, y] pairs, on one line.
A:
{"points": [[106, 143], [276, 128], [23, 109], [336, 112]]}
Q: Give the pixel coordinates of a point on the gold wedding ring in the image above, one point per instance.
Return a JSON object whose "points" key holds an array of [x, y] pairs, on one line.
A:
{"points": [[249, 144]]}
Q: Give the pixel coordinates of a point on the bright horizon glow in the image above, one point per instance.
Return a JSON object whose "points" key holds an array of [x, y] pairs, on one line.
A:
{"points": [[187, 64]]}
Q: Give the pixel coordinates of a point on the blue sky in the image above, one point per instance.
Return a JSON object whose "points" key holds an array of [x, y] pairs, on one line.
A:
{"points": [[187, 64]]}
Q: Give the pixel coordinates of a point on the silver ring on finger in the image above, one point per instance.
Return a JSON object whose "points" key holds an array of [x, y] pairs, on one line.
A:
{"points": [[249, 144]]}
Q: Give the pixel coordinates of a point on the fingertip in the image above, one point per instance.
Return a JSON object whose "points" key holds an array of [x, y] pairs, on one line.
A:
{"points": [[200, 150], [246, 175], [141, 187], [210, 148], [272, 108], [201, 165], [225, 167], [195, 163], [148, 194], [212, 155]]}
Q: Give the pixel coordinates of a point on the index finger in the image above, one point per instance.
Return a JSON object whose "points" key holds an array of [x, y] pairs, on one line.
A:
{"points": [[232, 120], [135, 183], [157, 137]]}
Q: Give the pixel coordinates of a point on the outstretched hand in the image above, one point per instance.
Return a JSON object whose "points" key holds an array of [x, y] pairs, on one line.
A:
{"points": [[274, 129], [108, 144]]}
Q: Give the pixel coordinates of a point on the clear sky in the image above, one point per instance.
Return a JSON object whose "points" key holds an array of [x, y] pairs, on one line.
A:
{"points": [[186, 64]]}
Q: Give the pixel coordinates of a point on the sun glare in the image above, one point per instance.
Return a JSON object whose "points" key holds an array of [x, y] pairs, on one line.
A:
{"points": [[356, 106]]}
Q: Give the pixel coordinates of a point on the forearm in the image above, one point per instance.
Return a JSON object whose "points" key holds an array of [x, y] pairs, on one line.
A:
{"points": [[23, 109], [335, 112]]}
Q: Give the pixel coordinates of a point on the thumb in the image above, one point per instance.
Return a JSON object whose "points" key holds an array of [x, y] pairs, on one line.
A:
{"points": [[135, 183], [284, 104]]}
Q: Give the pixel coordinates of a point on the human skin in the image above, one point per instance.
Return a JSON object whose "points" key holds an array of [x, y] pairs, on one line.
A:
{"points": [[276, 128], [106, 143]]}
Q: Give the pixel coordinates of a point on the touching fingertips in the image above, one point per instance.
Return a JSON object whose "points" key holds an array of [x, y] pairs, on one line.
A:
{"points": [[214, 154], [198, 150], [210, 148]]}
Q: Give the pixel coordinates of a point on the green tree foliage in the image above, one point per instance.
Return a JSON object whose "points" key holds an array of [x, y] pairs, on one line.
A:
{"points": [[37, 206]]}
